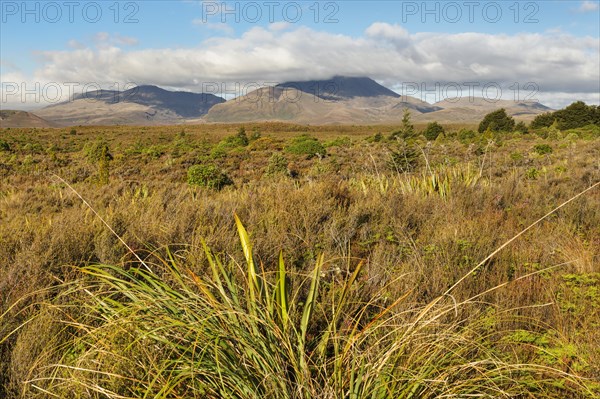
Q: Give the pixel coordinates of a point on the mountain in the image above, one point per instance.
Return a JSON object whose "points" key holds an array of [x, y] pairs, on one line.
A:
{"points": [[9, 118], [340, 100], [473, 109], [144, 105], [341, 87]]}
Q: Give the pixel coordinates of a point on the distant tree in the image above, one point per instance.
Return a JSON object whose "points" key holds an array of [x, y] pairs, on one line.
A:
{"points": [[407, 130], [521, 127], [433, 130], [574, 116], [497, 121], [542, 120]]}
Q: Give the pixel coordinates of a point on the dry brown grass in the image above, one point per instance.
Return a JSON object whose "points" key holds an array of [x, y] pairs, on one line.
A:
{"points": [[347, 205]]}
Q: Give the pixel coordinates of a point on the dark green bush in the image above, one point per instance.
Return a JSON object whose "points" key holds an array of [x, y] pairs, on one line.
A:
{"points": [[207, 176], [306, 145], [497, 121], [4, 146], [433, 130], [574, 116], [403, 160], [521, 127]]}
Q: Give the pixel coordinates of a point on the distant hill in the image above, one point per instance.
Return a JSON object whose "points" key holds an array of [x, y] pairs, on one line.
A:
{"points": [[339, 100], [9, 118], [341, 87], [473, 109], [145, 105]]}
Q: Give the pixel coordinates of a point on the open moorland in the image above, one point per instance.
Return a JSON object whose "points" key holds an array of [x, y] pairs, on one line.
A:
{"points": [[276, 260]]}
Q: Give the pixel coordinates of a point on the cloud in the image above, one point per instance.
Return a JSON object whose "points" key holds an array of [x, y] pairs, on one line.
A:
{"points": [[589, 6], [555, 62], [104, 39], [215, 26], [279, 26], [390, 32]]}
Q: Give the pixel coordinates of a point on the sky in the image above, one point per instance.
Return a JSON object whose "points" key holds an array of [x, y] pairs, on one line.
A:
{"points": [[546, 51]]}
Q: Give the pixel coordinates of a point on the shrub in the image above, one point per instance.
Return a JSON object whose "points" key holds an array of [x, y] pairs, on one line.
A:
{"points": [[433, 130], [4, 146], [343, 141], [207, 176], [230, 143], [277, 165], [542, 149], [532, 173], [403, 160], [306, 145], [542, 120], [466, 135], [98, 151], [407, 130], [497, 121], [521, 127], [574, 116]]}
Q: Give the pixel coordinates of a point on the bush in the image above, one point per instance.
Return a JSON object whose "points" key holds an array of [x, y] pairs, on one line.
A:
{"points": [[343, 141], [4, 146], [98, 151], [542, 120], [497, 121], [236, 141], [466, 135], [404, 160], [574, 116], [277, 165], [306, 145], [433, 130], [542, 149], [532, 173], [521, 127], [207, 176]]}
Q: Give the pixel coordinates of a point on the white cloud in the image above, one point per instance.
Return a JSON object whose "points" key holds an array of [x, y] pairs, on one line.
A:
{"points": [[589, 6], [104, 39], [279, 26], [387, 31], [555, 62], [215, 26]]}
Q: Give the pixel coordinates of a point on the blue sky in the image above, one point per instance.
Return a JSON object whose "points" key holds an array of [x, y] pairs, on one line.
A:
{"points": [[106, 42]]}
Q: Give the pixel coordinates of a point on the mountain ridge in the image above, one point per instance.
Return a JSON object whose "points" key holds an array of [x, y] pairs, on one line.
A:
{"points": [[338, 100]]}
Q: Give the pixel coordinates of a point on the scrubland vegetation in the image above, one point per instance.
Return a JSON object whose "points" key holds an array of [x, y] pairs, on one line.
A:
{"points": [[355, 267]]}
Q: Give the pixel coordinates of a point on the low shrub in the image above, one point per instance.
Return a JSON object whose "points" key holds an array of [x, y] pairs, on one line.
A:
{"points": [[306, 145], [207, 176]]}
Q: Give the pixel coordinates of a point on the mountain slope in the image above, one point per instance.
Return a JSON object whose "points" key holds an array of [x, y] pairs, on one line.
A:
{"points": [[341, 87], [146, 105], [473, 109], [339, 100], [9, 118]]}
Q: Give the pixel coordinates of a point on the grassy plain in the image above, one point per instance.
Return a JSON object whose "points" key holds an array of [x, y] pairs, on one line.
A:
{"points": [[345, 286]]}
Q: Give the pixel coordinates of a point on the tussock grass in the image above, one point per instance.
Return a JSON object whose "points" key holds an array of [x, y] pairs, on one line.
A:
{"points": [[242, 332]]}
